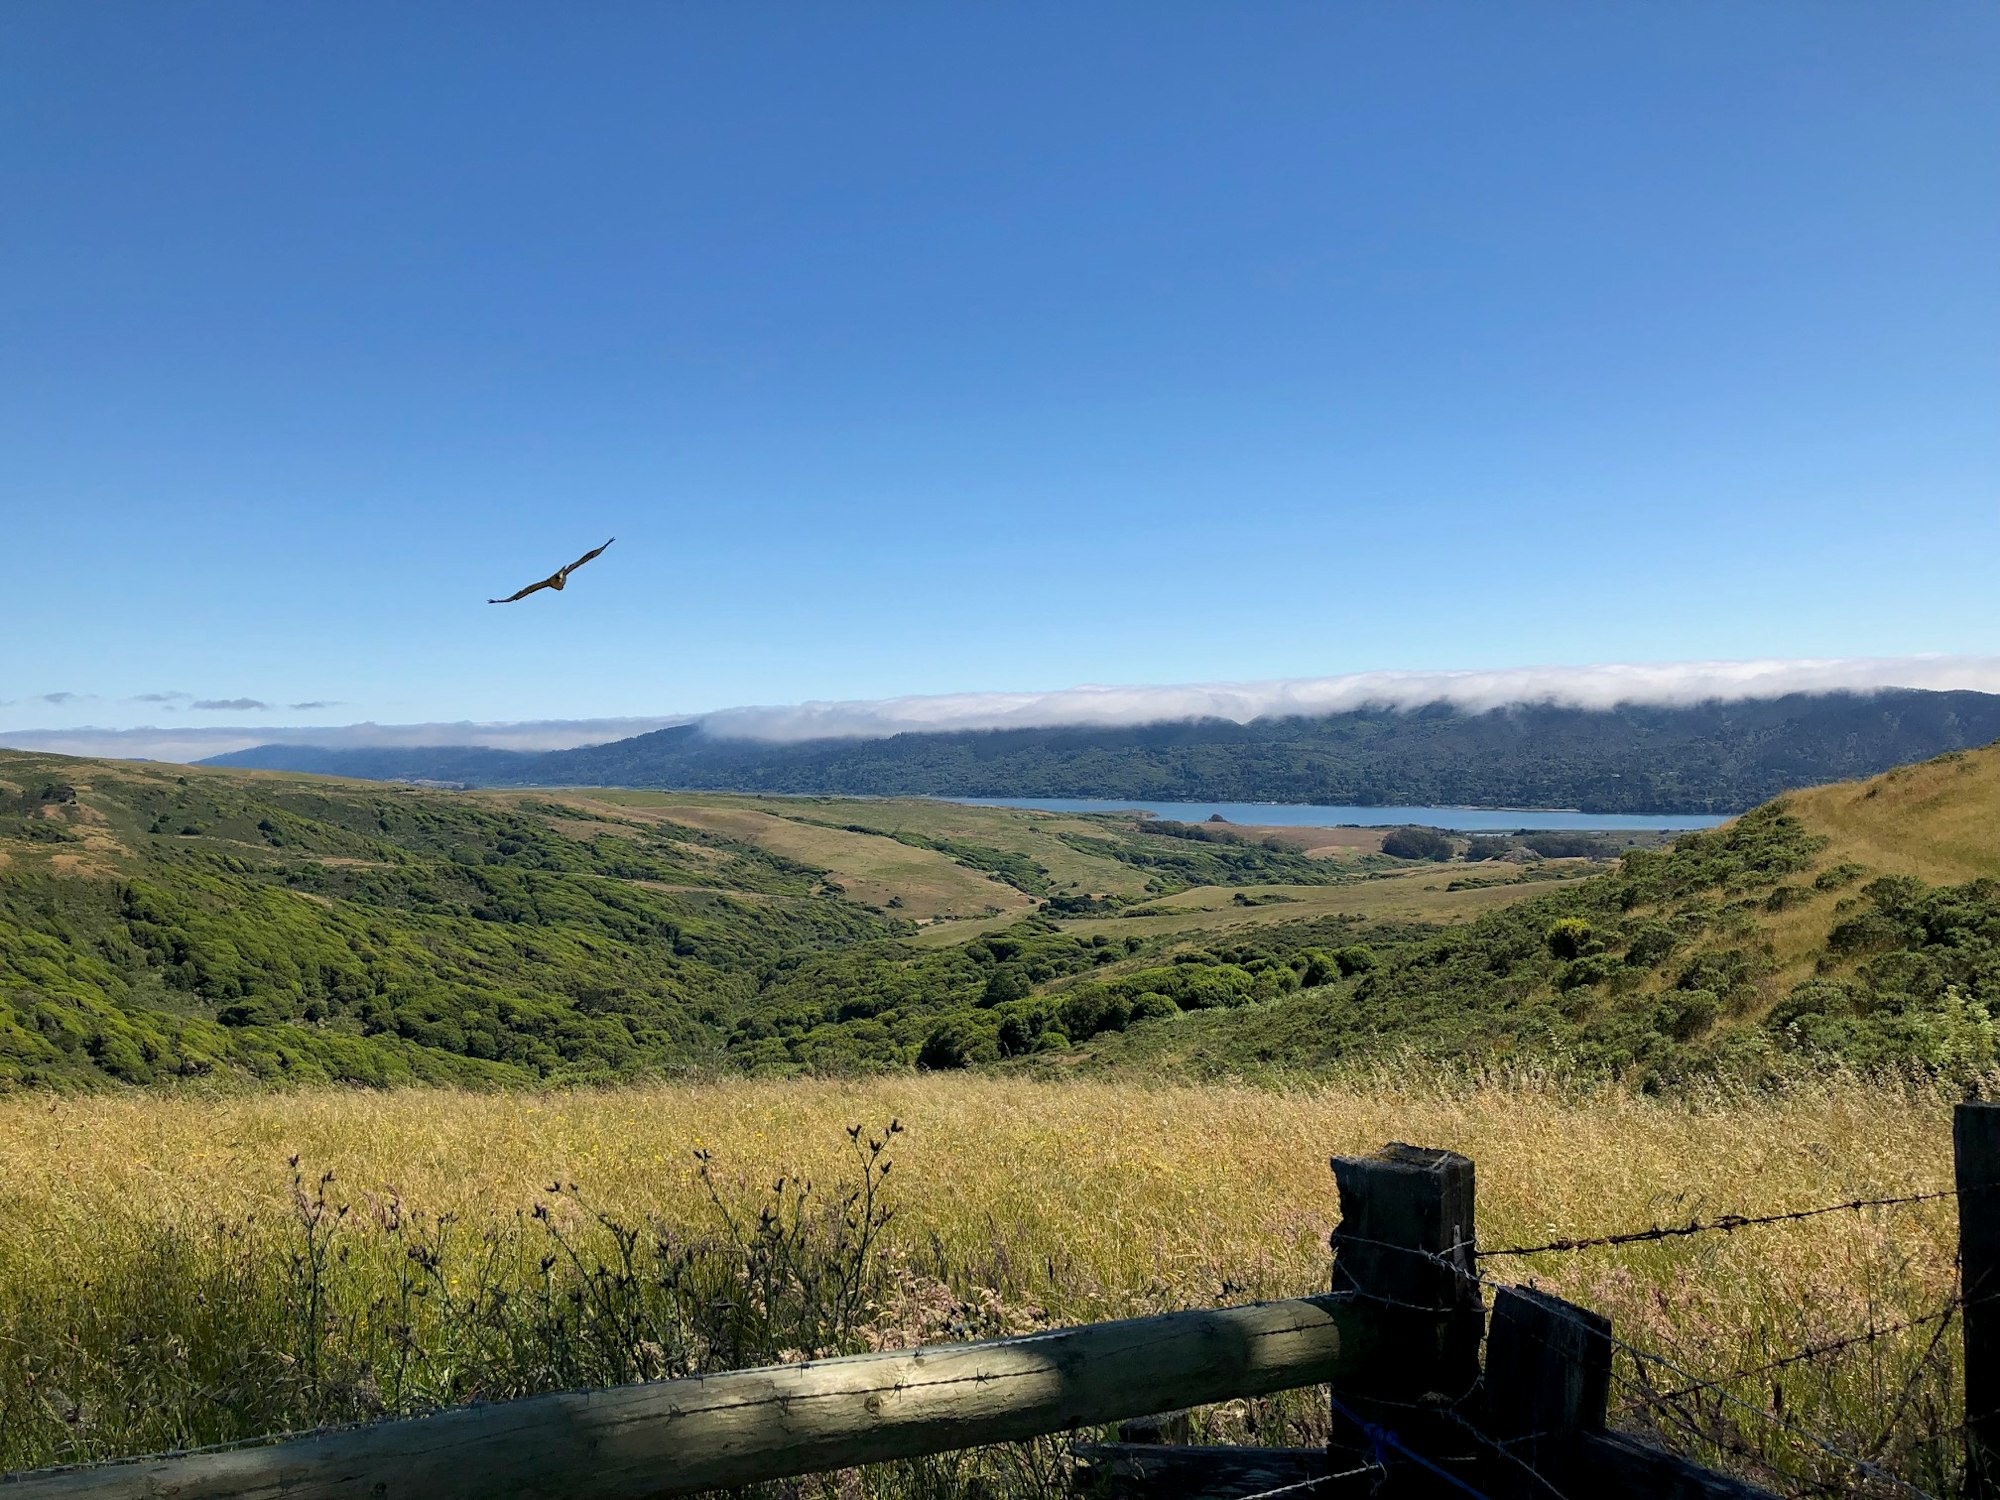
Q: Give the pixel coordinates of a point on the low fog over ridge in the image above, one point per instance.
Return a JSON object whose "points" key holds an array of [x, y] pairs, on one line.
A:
{"points": [[1664, 684], [1603, 686]]}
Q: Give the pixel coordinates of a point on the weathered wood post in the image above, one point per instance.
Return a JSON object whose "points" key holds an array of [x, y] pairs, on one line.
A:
{"points": [[1976, 1152], [1548, 1381], [1548, 1388], [1405, 1241]]}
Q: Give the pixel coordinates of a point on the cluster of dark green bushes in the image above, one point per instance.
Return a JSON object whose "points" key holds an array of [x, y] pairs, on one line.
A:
{"points": [[1418, 843], [872, 1005], [1223, 977], [1175, 858], [1912, 972], [1033, 988]]}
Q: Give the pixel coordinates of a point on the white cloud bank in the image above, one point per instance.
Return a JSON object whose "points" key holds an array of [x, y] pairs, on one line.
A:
{"points": [[1583, 687]]}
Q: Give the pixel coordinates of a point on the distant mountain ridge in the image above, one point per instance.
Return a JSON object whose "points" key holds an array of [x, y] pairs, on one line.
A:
{"points": [[1715, 757]]}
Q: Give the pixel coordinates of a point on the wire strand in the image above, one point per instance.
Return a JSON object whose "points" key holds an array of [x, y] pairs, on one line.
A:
{"points": [[1381, 1441], [1810, 1352], [1302, 1485], [1726, 1224]]}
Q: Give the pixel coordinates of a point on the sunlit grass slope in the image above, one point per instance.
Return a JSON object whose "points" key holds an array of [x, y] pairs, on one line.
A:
{"points": [[924, 884], [1938, 821]]}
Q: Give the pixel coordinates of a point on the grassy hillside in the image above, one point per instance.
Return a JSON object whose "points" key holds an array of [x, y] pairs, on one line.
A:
{"points": [[1939, 821], [1695, 758], [1858, 923], [159, 923]]}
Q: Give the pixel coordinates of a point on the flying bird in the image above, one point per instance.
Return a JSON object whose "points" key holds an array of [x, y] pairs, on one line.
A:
{"points": [[555, 580]]}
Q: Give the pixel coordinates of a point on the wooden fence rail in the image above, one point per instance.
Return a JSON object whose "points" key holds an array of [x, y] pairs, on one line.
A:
{"points": [[711, 1432]]}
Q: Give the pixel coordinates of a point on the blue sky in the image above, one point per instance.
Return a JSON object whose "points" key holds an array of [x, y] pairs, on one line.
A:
{"points": [[913, 349]]}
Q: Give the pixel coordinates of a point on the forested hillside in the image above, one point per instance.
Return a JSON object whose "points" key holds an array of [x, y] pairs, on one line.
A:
{"points": [[1705, 758], [155, 925]]}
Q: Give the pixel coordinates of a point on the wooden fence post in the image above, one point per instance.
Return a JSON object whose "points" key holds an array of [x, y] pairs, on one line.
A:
{"points": [[1405, 1240], [1548, 1384], [1976, 1152], [1548, 1381]]}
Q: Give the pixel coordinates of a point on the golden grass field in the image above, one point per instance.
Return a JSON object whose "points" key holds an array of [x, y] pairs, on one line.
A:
{"points": [[872, 870], [1041, 1202], [791, 825]]}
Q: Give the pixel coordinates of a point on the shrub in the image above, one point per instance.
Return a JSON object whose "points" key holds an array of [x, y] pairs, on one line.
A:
{"points": [[1815, 997], [1355, 958], [1417, 843], [1686, 1014], [957, 1043], [1872, 932], [1785, 897], [1004, 985], [1650, 944], [1567, 937], [1592, 969], [1320, 967]]}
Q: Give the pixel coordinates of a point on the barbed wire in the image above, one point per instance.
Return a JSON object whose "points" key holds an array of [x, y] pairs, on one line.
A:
{"points": [[1910, 1381], [1693, 1429], [1862, 1465], [1301, 1487], [1724, 1224], [1808, 1352], [1382, 1442]]}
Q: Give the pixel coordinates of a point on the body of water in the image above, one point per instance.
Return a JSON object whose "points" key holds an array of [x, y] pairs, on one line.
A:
{"points": [[1309, 815]]}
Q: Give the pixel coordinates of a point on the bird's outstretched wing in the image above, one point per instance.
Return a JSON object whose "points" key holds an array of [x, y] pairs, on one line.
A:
{"points": [[594, 551], [548, 582]]}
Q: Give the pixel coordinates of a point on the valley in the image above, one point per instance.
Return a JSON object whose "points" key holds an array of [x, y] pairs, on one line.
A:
{"points": [[168, 924], [164, 923]]}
